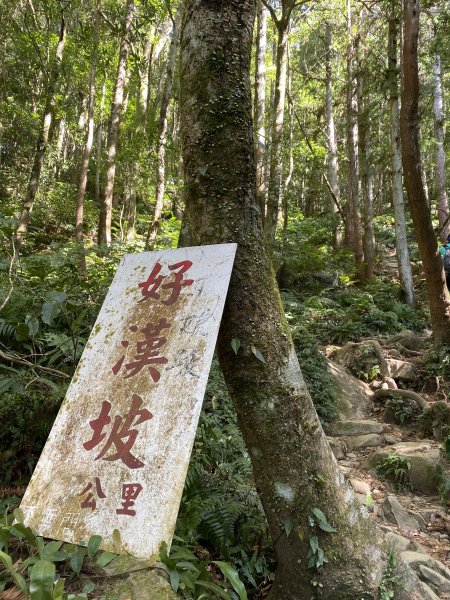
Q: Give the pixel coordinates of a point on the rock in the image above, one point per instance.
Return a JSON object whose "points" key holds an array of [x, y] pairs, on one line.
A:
{"points": [[439, 582], [337, 446], [363, 441], [423, 457], [137, 581], [398, 369], [398, 542], [360, 487], [408, 339], [360, 427], [414, 559], [427, 592], [374, 385], [392, 439], [396, 514], [360, 357], [391, 385], [418, 517], [352, 397]]}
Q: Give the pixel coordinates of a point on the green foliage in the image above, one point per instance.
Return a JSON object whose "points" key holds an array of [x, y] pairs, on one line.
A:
{"points": [[390, 580], [435, 420], [395, 469], [400, 410], [316, 555]]}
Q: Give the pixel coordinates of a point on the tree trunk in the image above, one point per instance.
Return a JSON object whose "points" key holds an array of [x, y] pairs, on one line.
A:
{"points": [[104, 228], [99, 147], [44, 134], [82, 181], [353, 233], [260, 107], [401, 241], [366, 171], [275, 196], [438, 296], [439, 172], [295, 471], [332, 159], [162, 136]]}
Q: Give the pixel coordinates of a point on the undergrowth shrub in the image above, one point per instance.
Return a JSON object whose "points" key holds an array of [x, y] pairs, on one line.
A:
{"points": [[435, 420], [395, 469], [401, 411]]}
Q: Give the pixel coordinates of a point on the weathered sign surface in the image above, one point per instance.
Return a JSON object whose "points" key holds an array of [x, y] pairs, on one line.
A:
{"points": [[117, 456]]}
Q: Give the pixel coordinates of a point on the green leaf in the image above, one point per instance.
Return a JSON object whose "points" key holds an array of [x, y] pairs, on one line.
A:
{"points": [[54, 296], [77, 560], [322, 521], [233, 577], [235, 344], [50, 310], [105, 558], [94, 544], [214, 588], [314, 543], [258, 354], [18, 515], [288, 524], [32, 324], [41, 580], [22, 332], [447, 446], [175, 580], [17, 577], [58, 590]]}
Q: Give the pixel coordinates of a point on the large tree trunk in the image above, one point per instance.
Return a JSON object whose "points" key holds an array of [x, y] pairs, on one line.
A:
{"points": [[439, 171], [162, 136], [44, 134], [353, 233], [333, 165], [401, 240], [82, 181], [438, 296], [260, 107], [295, 471], [104, 228]]}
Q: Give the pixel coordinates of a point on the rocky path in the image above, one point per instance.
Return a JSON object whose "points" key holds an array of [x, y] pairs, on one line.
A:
{"points": [[406, 505]]}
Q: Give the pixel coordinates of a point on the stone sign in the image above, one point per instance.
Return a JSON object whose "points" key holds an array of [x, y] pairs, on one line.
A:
{"points": [[117, 456]]}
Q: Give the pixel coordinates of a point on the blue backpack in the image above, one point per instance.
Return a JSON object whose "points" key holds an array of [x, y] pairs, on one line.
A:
{"points": [[446, 259]]}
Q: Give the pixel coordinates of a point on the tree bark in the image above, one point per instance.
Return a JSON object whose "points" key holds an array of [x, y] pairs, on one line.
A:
{"points": [[438, 296], [332, 159], [82, 181], [162, 136], [260, 107], [353, 233], [439, 170], [401, 240], [104, 228], [294, 468], [99, 147], [41, 147]]}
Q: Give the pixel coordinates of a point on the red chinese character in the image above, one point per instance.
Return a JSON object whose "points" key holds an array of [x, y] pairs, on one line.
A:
{"points": [[130, 491], [151, 286], [122, 435], [146, 351], [90, 502]]}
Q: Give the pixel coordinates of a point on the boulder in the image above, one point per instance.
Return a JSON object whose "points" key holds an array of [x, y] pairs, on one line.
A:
{"points": [[351, 428], [353, 397], [423, 456], [398, 542], [438, 581], [362, 441], [398, 369], [427, 592], [409, 340], [132, 579], [359, 486], [338, 447], [360, 357], [396, 514]]}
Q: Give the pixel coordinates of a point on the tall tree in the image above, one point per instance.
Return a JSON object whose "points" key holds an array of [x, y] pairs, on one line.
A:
{"points": [[260, 107], [44, 134], [439, 168], [297, 477], [162, 134], [438, 297], [401, 240], [104, 228]]}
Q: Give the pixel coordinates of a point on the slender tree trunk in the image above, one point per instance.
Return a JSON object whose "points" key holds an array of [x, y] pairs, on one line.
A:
{"points": [[296, 473], [438, 296], [41, 147], [260, 107], [99, 147], [104, 228], [332, 159], [82, 181], [290, 173], [401, 241], [439, 172], [366, 171], [162, 136], [275, 197], [354, 235]]}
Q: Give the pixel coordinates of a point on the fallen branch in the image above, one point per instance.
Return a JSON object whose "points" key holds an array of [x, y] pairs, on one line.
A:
{"points": [[402, 394], [26, 363]]}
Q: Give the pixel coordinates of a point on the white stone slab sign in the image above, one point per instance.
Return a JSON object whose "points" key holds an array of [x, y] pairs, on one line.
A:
{"points": [[118, 453]]}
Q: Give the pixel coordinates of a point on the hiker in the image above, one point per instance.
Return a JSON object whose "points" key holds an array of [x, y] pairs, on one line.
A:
{"points": [[444, 251]]}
